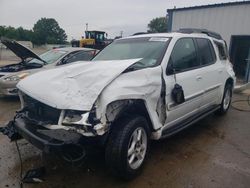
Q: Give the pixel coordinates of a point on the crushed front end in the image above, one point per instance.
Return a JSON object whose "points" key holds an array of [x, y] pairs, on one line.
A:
{"points": [[54, 130]]}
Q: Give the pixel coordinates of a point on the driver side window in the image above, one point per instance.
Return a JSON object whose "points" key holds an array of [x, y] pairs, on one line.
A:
{"points": [[184, 56]]}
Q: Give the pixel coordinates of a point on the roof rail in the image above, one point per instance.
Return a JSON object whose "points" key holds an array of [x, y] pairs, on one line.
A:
{"points": [[204, 31], [139, 33]]}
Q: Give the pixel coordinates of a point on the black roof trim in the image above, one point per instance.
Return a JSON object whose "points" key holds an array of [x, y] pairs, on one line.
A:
{"points": [[139, 33], [210, 6], [204, 31]]}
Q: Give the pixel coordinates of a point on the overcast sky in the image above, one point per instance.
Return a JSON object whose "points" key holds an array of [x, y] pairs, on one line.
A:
{"points": [[112, 16]]}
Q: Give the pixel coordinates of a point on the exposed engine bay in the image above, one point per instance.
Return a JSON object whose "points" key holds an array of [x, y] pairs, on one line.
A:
{"points": [[20, 67], [24, 53], [39, 114], [13, 68]]}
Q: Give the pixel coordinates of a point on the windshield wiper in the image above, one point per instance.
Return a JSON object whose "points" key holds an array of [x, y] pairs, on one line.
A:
{"points": [[136, 66]]}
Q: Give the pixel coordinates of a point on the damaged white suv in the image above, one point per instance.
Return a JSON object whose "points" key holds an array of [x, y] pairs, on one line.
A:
{"points": [[137, 89]]}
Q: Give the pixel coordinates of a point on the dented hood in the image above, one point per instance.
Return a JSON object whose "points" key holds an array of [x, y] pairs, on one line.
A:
{"points": [[74, 87]]}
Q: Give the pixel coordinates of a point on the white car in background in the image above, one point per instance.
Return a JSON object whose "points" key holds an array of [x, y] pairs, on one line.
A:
{"points": [[139, 88], [31, 63]]}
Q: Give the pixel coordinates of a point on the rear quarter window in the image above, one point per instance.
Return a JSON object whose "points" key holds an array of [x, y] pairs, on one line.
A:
{"points": [[222, 50], [206, 51]]}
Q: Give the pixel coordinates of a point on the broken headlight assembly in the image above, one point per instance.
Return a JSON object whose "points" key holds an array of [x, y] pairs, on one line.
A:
{"points": [[72, 117], [84, 121], [16, 77]]}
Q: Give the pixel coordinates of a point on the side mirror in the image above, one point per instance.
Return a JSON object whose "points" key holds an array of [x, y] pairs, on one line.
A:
{"points": [[178, 94]]}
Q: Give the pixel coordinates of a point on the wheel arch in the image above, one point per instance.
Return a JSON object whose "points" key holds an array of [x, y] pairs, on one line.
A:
{"points": [[230, 81], [127, 107]]}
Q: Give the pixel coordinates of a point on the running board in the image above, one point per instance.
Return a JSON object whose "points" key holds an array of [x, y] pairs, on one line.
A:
{"points": [[186, 123]]}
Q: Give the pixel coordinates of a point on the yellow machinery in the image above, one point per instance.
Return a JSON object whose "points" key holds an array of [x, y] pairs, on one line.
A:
{"points": [[93, 39]]}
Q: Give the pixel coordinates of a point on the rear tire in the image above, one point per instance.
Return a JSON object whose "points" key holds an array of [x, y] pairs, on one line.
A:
{"points": [[226, 100], [127, 147]]}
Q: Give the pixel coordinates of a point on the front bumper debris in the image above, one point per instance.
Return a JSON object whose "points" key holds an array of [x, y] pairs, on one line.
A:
{"points": [[45, 139], [10, 131], [69, 144]]}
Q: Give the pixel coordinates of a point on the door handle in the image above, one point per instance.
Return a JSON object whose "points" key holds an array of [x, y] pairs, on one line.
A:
{"points": [[198, 78]]}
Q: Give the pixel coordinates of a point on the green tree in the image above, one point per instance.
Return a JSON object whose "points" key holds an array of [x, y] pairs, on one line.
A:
{"points": [[47, 30], [11, 33], [17, 34], [2, 31], [158, 25], [23, 34]]}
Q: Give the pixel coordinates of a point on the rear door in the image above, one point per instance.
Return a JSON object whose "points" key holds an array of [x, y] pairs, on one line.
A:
{"points": [[184, 59], [210, 72]]}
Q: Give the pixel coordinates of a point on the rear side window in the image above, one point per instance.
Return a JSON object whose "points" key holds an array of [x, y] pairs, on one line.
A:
{"points": [[222, 50], [184, 55], [206, 51]]}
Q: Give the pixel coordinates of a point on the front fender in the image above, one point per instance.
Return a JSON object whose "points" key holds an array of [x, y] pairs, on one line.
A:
{"points": [[142, 84]]}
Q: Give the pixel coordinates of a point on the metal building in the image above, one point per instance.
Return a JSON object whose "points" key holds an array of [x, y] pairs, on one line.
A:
{"points": [[231, 20]]}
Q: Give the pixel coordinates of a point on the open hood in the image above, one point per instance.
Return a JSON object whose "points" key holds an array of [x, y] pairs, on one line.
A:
{"points": [[75, 86], [20, 50]]}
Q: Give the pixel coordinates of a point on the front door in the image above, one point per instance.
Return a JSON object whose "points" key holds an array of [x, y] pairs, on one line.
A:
{"points": [[211, 71], [186, 66]]}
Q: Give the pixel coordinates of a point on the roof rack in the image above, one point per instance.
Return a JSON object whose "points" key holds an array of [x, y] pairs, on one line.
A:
{"points": [[204, 31], [139, 33]]}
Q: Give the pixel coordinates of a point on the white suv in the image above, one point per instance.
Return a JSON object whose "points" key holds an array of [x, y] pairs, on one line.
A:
{"points": [[139, 88]]}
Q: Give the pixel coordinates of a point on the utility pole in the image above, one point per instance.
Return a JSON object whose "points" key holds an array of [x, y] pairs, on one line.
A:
{"points": [[87, 26], [121, 33]]}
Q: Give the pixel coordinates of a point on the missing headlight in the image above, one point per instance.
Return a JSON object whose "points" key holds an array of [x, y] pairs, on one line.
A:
{"points": [[73, 117]]}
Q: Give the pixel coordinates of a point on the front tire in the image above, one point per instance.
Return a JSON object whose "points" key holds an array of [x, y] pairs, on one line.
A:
{"points": [[127, 147], [226, 100]]}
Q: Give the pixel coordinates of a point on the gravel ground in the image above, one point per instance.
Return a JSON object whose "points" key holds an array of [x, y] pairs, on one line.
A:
{"points": [[215, 152]]}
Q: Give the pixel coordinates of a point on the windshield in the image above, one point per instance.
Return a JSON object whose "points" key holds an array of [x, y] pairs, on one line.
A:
{"points": [[49, 56], [149, 49]]}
